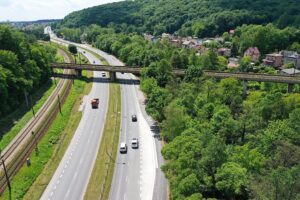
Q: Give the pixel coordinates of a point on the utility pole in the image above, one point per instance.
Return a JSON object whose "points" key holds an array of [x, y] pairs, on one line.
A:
{"points": [[59, 105], [32, 106], [36, 142], [6, 175]]}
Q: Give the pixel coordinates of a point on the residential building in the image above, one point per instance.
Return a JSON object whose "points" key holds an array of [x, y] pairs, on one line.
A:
{"points": [[291, 71], [253, 53], [224, 52], [291, 57], [233, 63], [177, 42], [274, 60], [150, 37]]}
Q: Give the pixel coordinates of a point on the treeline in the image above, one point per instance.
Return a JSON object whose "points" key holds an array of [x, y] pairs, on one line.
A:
{"points": [[220, 144], [24, 66], [185, 17], [267, 38]]}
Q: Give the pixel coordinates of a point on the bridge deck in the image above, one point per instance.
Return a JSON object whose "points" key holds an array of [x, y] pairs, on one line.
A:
{"points": [[179, 72], [255, 77]]}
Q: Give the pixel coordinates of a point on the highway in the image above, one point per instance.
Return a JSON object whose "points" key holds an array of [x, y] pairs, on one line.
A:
{"points": [[72, 175], [140, 177], [137, 174]]}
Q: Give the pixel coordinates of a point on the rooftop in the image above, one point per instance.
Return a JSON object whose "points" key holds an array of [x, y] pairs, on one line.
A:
{"points": [[291, 71]]}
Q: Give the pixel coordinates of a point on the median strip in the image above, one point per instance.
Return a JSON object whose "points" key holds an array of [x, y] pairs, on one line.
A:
{"points": [[101, 178]]}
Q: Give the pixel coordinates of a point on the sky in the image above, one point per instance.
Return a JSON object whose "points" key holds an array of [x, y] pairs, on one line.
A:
{"points": [[29, 10]]}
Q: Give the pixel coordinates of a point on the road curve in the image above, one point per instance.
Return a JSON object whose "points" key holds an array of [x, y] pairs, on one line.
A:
{"points": [[71, 177]]}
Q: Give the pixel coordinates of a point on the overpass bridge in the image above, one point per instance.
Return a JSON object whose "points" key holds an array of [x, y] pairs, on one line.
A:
{"points": [[107, 68], [243, 76]]}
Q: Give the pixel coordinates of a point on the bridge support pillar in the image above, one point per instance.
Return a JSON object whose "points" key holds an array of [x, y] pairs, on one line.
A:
{"points": [[245, 88], [290, 88], [112, 76], [78, 72]]}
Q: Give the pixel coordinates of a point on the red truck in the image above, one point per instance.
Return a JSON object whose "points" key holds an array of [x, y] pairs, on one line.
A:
{"points": [[95, 103]]}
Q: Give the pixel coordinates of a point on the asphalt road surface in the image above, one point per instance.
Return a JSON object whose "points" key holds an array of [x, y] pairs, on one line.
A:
{"points": [[71, 177], [137, 173]]}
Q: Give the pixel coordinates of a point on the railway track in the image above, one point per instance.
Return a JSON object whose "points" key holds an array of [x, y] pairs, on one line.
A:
{"points": [[17, 152]]}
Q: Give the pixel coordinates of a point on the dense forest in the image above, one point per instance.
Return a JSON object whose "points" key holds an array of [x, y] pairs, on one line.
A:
{"points": [[24, 66], [220, 144], [186, 17]]}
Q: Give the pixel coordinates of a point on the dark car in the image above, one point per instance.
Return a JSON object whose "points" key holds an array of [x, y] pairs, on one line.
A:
{"points": [[133, 118]]}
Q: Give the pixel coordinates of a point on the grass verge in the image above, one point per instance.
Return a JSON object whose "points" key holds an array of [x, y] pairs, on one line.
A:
{"points": [[101, 178]]}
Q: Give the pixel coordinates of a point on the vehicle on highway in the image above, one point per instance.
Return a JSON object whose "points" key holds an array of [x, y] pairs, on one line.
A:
{"points": [[133, 118], [103, 74], [123, 147], [135, 143], [83, 51], [94, 62], [95, 103]]}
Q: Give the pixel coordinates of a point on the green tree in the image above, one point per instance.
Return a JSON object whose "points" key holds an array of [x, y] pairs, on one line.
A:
{"points": [[232, 180], [175, 122], [72, 48]]}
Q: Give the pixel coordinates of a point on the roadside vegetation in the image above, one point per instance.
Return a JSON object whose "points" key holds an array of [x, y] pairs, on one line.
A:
{"points": [[24, 66], [220, 144], [31, 181]]}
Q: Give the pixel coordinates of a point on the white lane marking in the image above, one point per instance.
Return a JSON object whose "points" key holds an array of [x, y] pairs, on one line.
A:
{"points": [[75, 176], [67, 194], [81, 160]]}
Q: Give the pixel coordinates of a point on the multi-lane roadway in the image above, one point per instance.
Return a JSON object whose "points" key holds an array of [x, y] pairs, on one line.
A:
{"points": [[137, 173], [72, 175]]}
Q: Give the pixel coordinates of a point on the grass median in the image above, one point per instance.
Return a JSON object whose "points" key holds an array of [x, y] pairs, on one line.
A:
{"points": [[101, 178]]}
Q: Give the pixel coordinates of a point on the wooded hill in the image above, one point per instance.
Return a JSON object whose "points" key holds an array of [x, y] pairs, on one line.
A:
{"points": [[186, 17]]}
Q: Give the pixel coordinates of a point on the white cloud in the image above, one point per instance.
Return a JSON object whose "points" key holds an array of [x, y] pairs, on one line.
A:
{"points": [[27, 10]]}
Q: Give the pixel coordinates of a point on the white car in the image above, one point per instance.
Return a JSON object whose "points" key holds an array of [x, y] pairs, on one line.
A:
{"points": [[134, 143], [123, 147]]}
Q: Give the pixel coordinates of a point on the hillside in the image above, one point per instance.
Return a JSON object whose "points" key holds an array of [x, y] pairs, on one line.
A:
{"points": [[186, 17]]}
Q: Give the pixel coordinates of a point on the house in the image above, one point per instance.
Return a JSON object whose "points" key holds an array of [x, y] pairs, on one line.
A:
{"points": [[231, 32], [150, 37], [166, 36], [273, 60], [291, 71], [177, 42], [233, 63], [291, 57], [188, 44], [253, 53], [224, 52]]}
